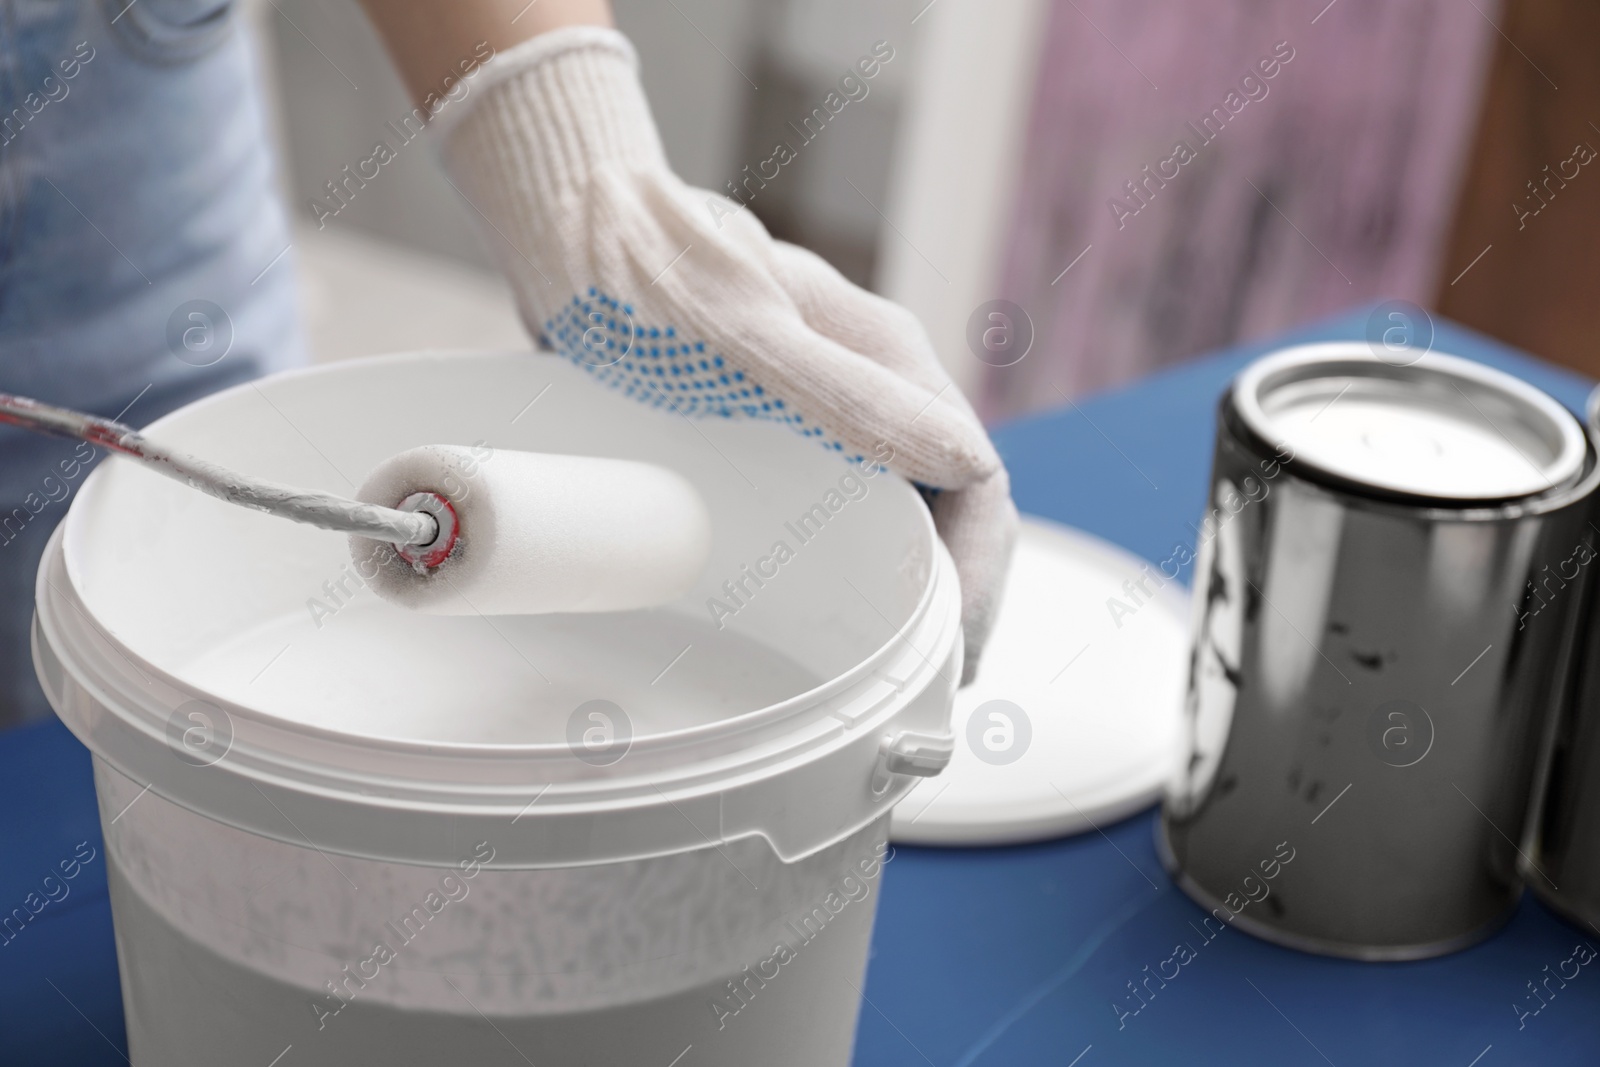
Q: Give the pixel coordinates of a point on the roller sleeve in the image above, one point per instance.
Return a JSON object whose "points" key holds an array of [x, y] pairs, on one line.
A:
{"points": [[539, 533]]}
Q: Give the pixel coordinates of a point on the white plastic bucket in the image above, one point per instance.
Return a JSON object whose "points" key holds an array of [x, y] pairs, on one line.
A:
{"points": [[344, 833]]}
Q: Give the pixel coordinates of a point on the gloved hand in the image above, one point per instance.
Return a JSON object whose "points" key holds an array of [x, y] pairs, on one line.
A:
{"points": [[610, 253]]}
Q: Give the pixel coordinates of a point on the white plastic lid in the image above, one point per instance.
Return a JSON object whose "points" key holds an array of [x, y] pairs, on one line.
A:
{"points": [[1441, 427], [1075, 717]]}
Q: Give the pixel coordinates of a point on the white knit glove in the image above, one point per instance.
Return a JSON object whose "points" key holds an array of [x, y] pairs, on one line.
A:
{"points": [[610, 253]]}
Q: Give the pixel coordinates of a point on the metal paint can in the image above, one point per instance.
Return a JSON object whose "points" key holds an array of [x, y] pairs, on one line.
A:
{"points": [[1382, 627], [1562, 862]]}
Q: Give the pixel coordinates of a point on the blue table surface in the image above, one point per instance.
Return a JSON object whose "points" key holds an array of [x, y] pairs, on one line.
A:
{"points": [[1005, 956]]}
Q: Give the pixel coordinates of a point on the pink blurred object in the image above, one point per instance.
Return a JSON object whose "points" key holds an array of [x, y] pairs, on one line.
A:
{"points": [[1330, 183]]}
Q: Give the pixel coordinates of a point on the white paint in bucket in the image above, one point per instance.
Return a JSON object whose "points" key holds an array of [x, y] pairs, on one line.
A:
{"points": [[368, 755]]}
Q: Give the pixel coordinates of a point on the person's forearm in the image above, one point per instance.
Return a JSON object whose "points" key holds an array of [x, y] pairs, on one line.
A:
{"points": [[428, 39]]}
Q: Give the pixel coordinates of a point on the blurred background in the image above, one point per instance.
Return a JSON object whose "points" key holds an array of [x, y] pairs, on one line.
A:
{"points": [[1070, 193]]}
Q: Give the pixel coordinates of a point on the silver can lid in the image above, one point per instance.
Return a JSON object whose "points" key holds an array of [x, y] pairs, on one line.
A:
{"points": [[1440, 427]]}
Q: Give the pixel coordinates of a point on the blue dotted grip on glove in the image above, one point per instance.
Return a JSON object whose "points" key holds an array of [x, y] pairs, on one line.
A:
{"points": [[659, 368]]}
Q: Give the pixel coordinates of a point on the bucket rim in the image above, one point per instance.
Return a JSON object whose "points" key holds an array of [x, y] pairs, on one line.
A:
{"points": [[121, 706]]}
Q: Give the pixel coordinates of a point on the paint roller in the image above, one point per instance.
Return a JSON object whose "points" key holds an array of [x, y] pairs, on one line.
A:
{"points": [[450, 530]]}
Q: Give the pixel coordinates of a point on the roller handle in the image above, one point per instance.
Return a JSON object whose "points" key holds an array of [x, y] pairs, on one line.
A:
{"points": [[325, 510]]}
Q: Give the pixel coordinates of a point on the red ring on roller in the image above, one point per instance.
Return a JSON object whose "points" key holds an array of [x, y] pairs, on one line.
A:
{"points": [[431, 555]]}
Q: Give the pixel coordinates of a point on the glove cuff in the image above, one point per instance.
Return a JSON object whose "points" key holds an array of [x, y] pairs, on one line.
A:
{"points": [[547, 115]]}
